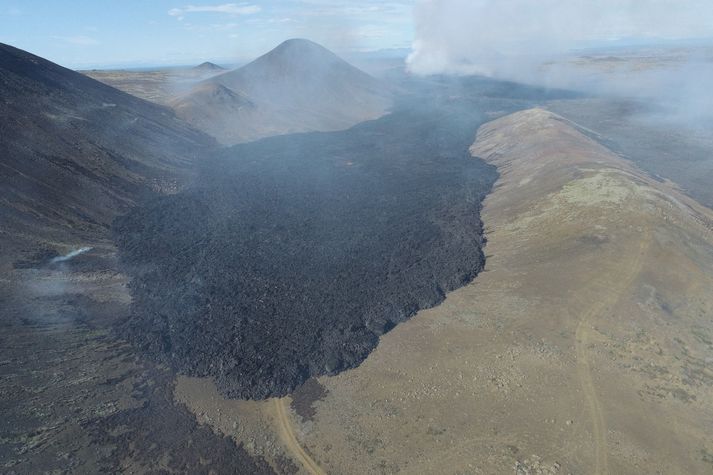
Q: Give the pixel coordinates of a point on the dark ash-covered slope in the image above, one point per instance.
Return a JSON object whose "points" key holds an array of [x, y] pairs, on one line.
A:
{"points": [[297, 252], [299, 86], [75, 152]]}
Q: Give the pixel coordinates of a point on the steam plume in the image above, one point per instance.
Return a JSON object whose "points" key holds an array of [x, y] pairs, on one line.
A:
{"points": [[70, 255], [535, 41]]}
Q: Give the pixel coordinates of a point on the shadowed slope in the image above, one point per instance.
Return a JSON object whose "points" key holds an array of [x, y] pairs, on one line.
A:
{"points": [[75, 152]]}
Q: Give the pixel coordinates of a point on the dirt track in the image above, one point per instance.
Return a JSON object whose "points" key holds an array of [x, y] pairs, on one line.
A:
{"points": [[611, 293], [288, 437]]}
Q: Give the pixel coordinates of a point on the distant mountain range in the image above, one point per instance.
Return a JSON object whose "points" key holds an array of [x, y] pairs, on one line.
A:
{"points": [[299, 86]]}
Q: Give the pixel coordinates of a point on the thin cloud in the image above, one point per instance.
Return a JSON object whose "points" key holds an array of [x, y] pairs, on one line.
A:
{"points": [[79, 40], [372, 8], [210, 27], [371, 32], [226, 8]]}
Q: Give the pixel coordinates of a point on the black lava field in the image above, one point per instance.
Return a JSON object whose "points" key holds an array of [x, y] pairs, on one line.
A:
{"points": [[291, 255]]}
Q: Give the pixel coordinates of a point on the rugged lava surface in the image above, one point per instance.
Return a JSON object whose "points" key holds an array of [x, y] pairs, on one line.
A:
{"points": [[293, 254]]}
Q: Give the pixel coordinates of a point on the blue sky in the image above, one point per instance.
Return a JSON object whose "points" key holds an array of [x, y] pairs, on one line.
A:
{"points": [[116, 33], [101, 33]]}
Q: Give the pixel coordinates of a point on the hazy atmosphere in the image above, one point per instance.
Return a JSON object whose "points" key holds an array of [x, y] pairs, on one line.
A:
{"points": [[315, 237], [88, 34]]}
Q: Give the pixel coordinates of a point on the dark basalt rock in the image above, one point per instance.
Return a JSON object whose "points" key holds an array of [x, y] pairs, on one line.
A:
{"points": [[293, 254]]}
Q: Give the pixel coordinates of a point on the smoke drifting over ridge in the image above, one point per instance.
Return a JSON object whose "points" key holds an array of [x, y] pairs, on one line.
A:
{"points": [[479, 36], [571, 44]]}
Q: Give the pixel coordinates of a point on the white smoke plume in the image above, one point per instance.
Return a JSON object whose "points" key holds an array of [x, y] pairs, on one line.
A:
{"points": [[547, 43]]}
